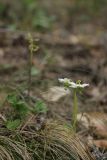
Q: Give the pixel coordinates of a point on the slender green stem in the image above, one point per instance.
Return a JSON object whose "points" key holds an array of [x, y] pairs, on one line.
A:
{"points": [[75, 109], [30, 69]]}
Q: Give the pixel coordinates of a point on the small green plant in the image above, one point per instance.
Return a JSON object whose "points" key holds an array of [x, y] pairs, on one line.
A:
{"points": [[77, 88], [24, 104], [32, 48], [18, 105], [21, 109]]}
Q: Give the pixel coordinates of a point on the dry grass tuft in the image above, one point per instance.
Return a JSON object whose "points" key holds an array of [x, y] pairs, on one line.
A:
{"points": [[55, 142], [52, 142]]}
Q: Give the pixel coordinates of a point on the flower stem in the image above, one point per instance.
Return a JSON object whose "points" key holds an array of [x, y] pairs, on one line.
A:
{"points": [[75, 109], [29, 71]]}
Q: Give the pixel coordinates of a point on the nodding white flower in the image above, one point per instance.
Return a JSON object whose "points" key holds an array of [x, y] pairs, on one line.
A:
{"points": [[67, 82]]}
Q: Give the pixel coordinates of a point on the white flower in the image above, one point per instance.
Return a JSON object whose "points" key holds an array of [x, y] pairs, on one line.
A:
{"points": [[75, 85], [64, 80], [71, 84]]}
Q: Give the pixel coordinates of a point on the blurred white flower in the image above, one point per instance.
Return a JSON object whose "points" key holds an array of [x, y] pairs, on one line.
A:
{"points": [[71, 84], [75, 85], [64, 80]]}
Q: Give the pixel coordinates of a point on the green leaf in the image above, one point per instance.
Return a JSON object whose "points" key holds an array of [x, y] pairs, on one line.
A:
{"points": [[12, 99], [34, 71], [12, 125], [40, 107], [42, 21], [18, 104]]}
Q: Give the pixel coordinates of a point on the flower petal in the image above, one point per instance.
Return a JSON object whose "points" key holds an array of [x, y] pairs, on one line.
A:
{"points": [[72, 84]]}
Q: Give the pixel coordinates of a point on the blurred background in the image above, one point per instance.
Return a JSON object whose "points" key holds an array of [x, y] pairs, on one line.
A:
{"points": [[47, 15]]}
